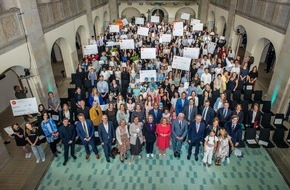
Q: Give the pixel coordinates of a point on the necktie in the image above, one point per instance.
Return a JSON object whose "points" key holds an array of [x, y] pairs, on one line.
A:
{"points": [[204, 112], [85, 129], [180, 124], [155, 113], [197, 127], [233, 126], [225, 112], [190, 111]]}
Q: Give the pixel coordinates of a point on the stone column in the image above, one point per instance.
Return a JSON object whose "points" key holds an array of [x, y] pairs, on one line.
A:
{"points": [[203, 11], [114, 11], [43, 80], [88, 7], [231, 17], [279, 88]]}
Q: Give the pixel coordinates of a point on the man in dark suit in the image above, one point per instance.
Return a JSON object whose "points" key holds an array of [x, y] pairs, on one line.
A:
{"points": [[195, 136], [157, 113], [224, 114], [207, 113], [174, 50], [179, 132], [234, 129], [149, 129], [86, 131], [107, 136], [190, 111], [67, 135], [254, 117], [181, 103], [83, 109]]}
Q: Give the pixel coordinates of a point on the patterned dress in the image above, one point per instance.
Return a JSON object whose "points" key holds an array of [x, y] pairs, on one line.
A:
{"points": [[224, 147], [125, 141]]}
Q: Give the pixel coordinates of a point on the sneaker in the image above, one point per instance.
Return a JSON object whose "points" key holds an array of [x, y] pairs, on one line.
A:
{"points": [[223, 159], [228, 161], [26, 155], [37, 161], [29, 155], [152, 155], [148, 155], [43, 160]]}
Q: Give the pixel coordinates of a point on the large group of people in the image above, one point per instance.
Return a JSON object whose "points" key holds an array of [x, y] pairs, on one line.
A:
{"points": [[112, 108]]}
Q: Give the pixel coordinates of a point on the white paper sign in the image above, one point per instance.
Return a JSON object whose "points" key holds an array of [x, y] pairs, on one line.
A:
{"points": [[178, 29], [125, 22], [192, 53], [155, 19], [197, 26], [278, 121], [114, 28], [127, 44], [185, 16], [147, 74], [222, 38], [211, 47], [104, 107], [24, 106], [182, 63], [148, 53], [112, 43], [90, 49], [194, 21], [165, 38], [9, 130], [143, 31], [251, 141], [263, 143], [139, 20]]}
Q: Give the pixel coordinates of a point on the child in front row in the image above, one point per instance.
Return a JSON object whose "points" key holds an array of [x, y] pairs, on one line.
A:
{"points": [[210, 144]]}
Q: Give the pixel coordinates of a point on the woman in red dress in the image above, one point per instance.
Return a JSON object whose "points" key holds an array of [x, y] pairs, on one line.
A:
{"points": [[163, 131]]}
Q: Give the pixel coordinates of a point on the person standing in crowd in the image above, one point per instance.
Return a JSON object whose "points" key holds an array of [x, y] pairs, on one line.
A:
{"points": [[136, 139], [19, 137], [239, 112], [20, 94], [179, 132], [107, 136], [138, 112], [223, 147], [214, 127], [210, 143], [123, 139], [83, 109], [32, 137], [54, 105], [195, 136], [149, 135], [103, 88], [181, 103], [67, 113], [123, 113], [67, 136], [190, 111], [234, 129], [50, 130], [207, 113], [254, 117], [156, 113], [125, 79], [224, 114], [163, 131], [96, 114], [111, 113], [85, 130]]}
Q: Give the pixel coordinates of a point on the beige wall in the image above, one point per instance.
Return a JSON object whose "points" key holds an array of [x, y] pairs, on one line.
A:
{"points": [[98, 18]]}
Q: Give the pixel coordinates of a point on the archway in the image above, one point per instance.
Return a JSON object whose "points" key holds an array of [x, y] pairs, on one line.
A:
{"points": [[221, 26], [239, 43], [106, 18], [264, 52], [97, 26], [157, 11], [211, 22], [81, 39], [129, 12], [187, 10], [61, 60]]}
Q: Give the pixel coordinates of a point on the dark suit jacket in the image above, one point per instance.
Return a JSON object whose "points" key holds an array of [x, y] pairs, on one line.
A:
{"points": [[178, 107], [67, 136], [220, 115], [71, 119], [81, 132], [235, 133], [176, 131], [194, 136], [209, 115], [149, 134], [158, 117], [241, 116], [250, 117], [210, 128], [104, 136], [193, 113]]}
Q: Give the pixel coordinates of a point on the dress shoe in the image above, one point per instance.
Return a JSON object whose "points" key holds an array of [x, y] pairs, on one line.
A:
{"points": [[175, 154], [209, 165], [196, 158], [204, 164], [97, 156], [87, 156], [178, 155], [55, 155], [108, 160], [188, 157], [74, 157], [112, 156], [125, 157], [64, 163]]}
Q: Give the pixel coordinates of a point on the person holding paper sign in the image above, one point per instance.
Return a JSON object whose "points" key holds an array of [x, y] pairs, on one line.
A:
{"points": [[19, 137]]}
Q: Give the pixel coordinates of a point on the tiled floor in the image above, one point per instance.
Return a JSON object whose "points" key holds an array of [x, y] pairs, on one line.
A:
{"points": [[254, 171]]}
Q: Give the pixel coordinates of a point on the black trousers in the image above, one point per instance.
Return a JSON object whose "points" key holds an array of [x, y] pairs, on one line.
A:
{"points": [[149, 147], [66, 149], [53, 144], [107, 149]]}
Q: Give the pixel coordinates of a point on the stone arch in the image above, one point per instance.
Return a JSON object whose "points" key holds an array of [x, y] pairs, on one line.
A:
{"points": [[106, 18], [221, 26], [185, 10], [211, 21], [81, 38], [129, 12], [165, 13], [97, 26], [239, 41]]}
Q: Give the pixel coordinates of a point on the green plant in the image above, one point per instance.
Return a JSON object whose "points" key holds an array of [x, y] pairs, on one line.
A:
{"points": [[135, 58]]}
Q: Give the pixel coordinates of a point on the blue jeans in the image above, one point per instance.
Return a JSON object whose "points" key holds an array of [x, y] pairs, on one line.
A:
{"points": [[38, 152], [92, 143]]}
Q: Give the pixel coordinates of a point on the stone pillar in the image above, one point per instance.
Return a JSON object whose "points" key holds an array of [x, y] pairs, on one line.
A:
{"points": [[43, 80], [90, 17], [279, 88], [114, 11], [203, 10], [231, 17]]}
